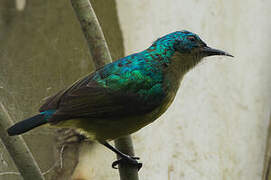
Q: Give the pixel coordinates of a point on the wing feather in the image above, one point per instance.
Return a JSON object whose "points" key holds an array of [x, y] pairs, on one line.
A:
{"points": [[123, 92]]}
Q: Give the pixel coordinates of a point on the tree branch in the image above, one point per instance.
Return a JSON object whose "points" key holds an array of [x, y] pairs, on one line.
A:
{"points": [[267, 157], [18, 149], [93, 32], [101, 55], [125, 145]]}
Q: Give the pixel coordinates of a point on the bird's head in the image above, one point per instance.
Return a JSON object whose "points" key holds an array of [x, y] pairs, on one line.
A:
{"points": [[183, 47], [187, 42]]}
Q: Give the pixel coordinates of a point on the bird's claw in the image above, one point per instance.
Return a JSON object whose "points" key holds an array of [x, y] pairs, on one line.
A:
{"points": [[129, 160]]}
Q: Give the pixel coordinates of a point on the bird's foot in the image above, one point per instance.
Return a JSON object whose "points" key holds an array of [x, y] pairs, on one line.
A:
{"points": [[128, 160]]}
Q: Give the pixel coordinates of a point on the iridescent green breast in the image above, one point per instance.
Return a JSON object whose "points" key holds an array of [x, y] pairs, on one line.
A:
{"points": [[136, 75]]}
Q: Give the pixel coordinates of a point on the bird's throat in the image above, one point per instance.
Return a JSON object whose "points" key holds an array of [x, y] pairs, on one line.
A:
{"points": [[179, 65]]}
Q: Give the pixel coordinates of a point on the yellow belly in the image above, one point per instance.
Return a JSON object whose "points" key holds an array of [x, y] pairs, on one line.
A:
{"points": [[109, 129]]}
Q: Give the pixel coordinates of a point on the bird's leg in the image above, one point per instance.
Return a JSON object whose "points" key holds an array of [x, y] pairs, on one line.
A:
{"points": [[124, 158]]}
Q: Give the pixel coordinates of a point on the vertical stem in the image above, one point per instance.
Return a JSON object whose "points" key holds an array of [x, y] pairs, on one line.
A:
{"points": [[18, 149], [101, 56], [125, 145], [93, 33], [267, 157]]}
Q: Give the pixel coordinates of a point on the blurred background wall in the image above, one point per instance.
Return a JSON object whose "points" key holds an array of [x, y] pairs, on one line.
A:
{"points": [[216, 128], [43, 50]]}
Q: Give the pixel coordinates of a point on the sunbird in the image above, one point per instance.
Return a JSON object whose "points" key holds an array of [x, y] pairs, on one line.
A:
{"points": [[124, 96]]}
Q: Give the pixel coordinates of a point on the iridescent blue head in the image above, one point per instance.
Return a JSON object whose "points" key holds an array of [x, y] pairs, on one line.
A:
{"points": [[186, 42]]}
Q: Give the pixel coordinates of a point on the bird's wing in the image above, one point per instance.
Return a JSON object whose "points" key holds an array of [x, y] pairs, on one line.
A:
{"points": [[113, 95], [52, 103]]}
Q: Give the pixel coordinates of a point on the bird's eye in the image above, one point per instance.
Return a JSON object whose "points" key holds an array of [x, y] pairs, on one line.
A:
{"points": [[191, 38]]}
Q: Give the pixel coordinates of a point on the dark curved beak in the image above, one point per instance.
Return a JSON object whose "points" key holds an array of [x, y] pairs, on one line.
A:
{"points": [[207, 51]]}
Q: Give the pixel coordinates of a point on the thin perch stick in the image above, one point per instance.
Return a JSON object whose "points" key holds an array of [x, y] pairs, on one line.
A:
{"points": [[267, 157], [125, 145], [101, 56], [93, 32], [18, 149]]}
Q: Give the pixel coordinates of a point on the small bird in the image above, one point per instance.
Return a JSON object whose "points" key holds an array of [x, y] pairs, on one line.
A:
{"points": [[124, 96]]}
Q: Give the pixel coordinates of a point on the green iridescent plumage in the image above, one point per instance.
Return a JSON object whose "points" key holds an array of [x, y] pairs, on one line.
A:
{"points": [[126, 95]]}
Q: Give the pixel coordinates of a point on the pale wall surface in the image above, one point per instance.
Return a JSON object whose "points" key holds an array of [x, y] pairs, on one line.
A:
{"points": [[216, 128]]}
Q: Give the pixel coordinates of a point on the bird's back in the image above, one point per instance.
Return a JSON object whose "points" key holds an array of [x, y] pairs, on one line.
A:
{"points": [[130, 86]]}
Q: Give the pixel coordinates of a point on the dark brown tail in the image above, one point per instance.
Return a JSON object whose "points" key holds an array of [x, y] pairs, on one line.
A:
{"points": [[26, 125]]}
